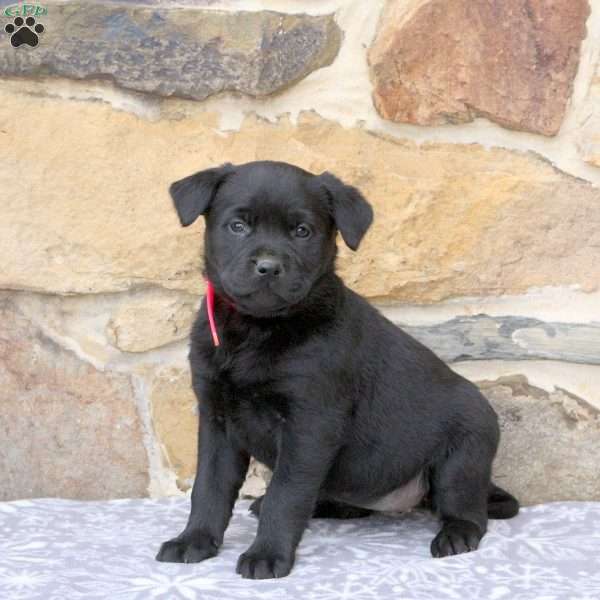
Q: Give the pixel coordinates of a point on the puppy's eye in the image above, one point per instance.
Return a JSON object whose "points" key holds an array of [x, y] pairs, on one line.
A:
{"points": [[302, 231], [239, 227]]}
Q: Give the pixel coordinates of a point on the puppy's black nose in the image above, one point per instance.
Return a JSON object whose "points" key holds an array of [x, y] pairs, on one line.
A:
{"points": [[268, 266]]}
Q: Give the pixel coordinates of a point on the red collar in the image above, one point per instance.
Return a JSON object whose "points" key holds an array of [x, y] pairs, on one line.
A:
{"points": [[210, 309]]}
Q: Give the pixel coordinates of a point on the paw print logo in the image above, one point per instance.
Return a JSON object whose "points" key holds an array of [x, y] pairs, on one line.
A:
{"points": [[24, 32]]}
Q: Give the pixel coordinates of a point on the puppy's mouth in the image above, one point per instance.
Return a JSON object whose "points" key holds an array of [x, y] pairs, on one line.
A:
{"points": [[262, 312], [263, 302]]}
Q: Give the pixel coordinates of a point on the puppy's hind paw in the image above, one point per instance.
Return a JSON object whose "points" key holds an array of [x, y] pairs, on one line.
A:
{"points": [[456, 537]]}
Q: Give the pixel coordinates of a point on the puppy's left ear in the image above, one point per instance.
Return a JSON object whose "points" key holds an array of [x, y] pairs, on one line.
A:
{"points": [[352, 214], [192, 195]]}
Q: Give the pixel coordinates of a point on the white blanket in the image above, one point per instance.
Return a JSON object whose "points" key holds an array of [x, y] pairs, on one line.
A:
{"points": [[66, 550]]}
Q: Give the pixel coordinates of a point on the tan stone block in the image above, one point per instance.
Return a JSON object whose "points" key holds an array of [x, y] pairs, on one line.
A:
{"points": [[458, 220], [151, 321], [175, 420], [101, 326], [450, 61], [90, 213], [68, 430], [85, 195], [589, 119]]}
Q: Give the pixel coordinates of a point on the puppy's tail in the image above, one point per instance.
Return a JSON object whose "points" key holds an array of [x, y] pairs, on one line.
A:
{"points": [[501, 505]]}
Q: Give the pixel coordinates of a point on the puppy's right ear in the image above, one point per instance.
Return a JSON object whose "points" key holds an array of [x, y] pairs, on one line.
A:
{"points": [[192, 195], [352, 214]]}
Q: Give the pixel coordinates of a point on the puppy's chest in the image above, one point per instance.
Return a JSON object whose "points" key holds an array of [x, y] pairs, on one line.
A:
{"points": [[252, 407], [254, 419]]}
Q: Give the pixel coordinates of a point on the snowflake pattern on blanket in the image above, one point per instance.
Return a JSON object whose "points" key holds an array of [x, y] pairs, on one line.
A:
{"points": [[61, 549]]}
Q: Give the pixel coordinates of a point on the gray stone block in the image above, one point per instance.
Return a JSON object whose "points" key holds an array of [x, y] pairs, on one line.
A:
{"points": [[185, 52], [482, 337]]}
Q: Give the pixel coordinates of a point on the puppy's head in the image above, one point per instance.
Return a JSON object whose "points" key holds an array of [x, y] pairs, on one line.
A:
{"points": [[270, 229]]}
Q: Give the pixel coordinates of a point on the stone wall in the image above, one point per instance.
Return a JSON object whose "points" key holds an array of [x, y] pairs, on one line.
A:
{"points": [[472, 126]]}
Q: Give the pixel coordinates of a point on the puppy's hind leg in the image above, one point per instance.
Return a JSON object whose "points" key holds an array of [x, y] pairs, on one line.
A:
{"points": [[254, 508], [459, 486], [324, 509], [329, 509]]}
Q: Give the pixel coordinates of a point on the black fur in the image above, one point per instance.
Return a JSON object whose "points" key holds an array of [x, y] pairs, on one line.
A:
{"points": [[311, 380]]}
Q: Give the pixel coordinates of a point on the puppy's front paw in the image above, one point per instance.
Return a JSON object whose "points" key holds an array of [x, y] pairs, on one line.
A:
{"points": [[262, 564], [187, 549], [456, 537]]}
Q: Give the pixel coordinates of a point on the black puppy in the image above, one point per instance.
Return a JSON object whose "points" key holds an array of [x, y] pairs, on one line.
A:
{"points": [[350, 412]]}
